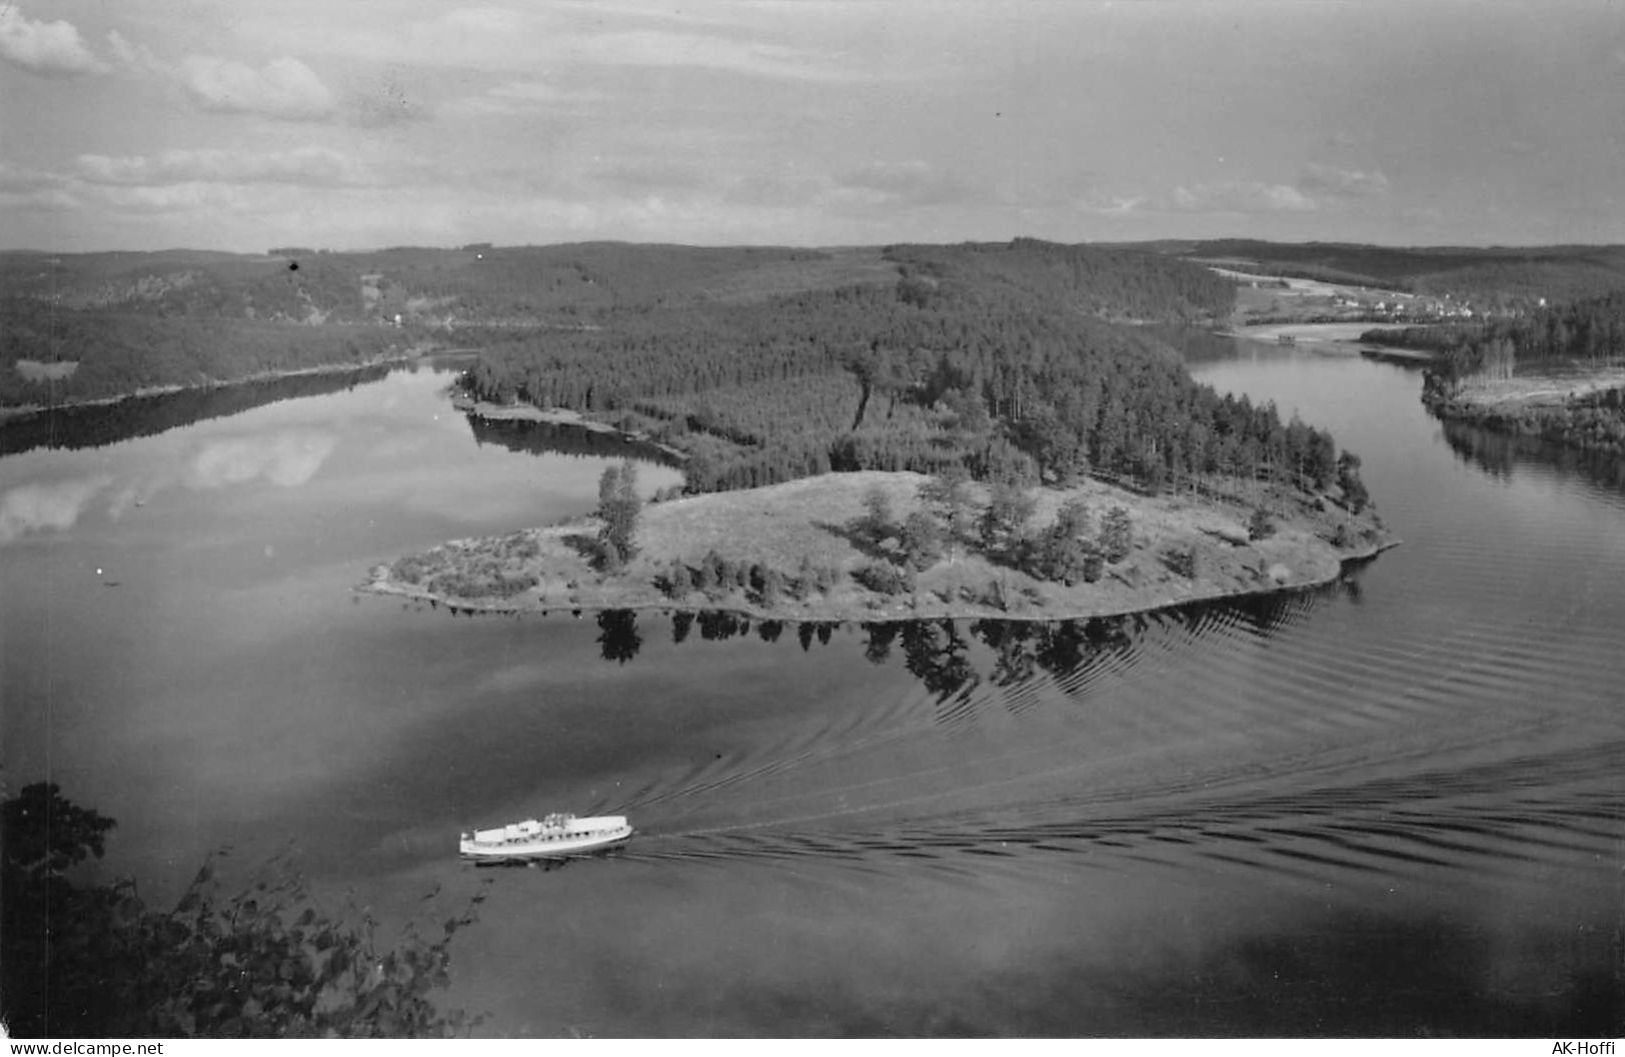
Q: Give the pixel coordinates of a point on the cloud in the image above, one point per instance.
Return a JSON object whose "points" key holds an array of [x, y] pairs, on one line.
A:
{"points": [[776, 190], [50, 49], [385, 108], [526, 92], [652, 47], [17, 179], [287, 459], [1342, 183], [1240, 197], [171, 198], [303, 166], [1108, 205], [34, 508], [907, 183], [518, 97], [135, 56], [35, 190], [283, 88]]}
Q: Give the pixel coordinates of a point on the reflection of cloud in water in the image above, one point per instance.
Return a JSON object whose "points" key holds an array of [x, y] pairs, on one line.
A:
{"points": [[515, 677], [398, 447], [45, 507], [287, 459], [138, 491]]}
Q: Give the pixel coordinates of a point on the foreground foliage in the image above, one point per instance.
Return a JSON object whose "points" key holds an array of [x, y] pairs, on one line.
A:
{"points": [[95, 961]]}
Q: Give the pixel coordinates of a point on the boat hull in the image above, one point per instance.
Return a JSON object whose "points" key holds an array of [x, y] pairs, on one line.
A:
{"points": [[556, 848]]}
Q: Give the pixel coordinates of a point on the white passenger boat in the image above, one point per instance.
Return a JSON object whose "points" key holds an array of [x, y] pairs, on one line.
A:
{"points": [[557, 836]]}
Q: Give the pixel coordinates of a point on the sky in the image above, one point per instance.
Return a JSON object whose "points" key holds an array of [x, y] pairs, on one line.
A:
{"points": [[152, 124]]}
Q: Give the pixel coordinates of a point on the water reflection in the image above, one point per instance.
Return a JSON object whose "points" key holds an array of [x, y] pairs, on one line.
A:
{"points": [[618, 638], [938, 652], [561, 438], [287, 458], [98, 425], [1498, 454], [36, 508]]}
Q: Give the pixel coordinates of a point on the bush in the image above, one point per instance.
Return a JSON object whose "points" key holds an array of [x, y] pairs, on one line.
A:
{"points": [[885, 578], [1116, 535], [677, 582], [922, 541], [1260, 526], [1188, 561], [768, 583], [412, 569]]}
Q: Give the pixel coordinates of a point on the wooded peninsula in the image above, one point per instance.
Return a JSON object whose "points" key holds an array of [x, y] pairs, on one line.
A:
{"points": [[994, 430]]}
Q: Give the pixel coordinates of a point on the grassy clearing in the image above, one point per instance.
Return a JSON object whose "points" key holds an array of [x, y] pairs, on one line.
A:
{"points": [[802, 527], [1551, 388]]}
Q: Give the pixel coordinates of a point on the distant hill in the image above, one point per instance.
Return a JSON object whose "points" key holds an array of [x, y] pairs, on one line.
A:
{"points": [[470, 285], [1501, 276], [1123, 285], [96, 325]]}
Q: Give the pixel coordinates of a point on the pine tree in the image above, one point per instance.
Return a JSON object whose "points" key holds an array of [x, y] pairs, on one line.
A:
{"points": [[1116, 535], [1004, 522], [618, 509], [877, 523]]}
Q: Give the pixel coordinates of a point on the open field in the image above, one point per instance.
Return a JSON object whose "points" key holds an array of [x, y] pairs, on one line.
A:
{"points": [[1546, 389], [805, 523]]}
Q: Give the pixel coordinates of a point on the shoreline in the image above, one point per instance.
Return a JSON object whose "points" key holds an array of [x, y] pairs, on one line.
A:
{"points": [[770, 526]]}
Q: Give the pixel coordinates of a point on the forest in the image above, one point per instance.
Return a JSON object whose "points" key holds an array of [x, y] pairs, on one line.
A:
{"points": [[1007, 360]]}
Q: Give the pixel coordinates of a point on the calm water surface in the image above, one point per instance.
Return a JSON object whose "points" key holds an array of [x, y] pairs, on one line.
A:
{"points": [[1391, 806]]}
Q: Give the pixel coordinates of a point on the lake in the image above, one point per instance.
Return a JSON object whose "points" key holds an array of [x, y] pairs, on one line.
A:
{"points": [[1391, 806]]}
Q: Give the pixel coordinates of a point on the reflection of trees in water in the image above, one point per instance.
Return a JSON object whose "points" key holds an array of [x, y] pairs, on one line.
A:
{"points": [[936, 654], [618, 638], [562, 438], [1497, 453], [941, 654], [97, 425]]}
